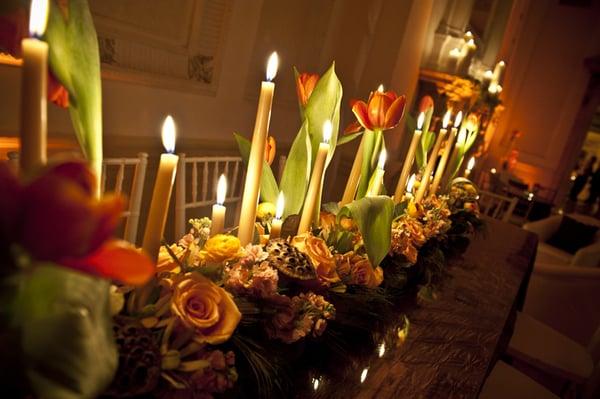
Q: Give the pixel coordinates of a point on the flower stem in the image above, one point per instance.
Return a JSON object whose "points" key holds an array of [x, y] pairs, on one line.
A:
{"points": [[372, 140]]}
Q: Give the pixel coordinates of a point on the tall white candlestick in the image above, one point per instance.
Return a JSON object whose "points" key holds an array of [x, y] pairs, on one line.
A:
{"points": [[433, 159], [276, 224], [218, 210], [439, 173], [377, 180], [161, 195], [316, 180], [408, 161], [257, 154], [33, 90]]}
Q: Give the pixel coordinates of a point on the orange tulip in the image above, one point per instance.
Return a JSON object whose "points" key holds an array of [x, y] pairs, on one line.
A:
{"points": [[425, 103], [56, 218], [305, 84], [270, 150], [383, 111]]}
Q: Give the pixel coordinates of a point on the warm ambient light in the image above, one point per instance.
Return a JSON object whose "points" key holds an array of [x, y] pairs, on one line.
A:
{"points": [[420, 121], [38, 17], [168, 134], [381, 349], [455, 52], [462, 137], [279, 206], [446, 119], [458, 119], [493, 171], [380, 88], [315, 383], [382, 158], [327, 130], [488, 74], [221, 190], [411, 183], [272, 66]]}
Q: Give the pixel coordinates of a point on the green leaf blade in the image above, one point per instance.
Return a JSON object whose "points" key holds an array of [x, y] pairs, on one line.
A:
{"points": [[268, 185]]}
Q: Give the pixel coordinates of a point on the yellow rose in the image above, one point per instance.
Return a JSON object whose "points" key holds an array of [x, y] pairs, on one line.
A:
{"points": [[221, 248], [265, 210], [318, 252], [206, 308], [412, 209], [166, 263]]}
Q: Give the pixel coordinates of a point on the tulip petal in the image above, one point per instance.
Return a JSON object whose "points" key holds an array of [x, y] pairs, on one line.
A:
{"points": [[378, 105], [117, 260], [75, 171], [395, 112], [360, 110], [425, 103], [354, 127]]}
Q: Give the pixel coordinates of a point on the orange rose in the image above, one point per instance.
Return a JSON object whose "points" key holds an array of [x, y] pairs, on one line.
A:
{"points": [[203, 306], [327, 221], [363, 273], [318, 252]]}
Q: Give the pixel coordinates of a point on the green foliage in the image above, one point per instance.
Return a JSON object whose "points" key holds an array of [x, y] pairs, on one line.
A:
{"points": [[348, 138], [75, 61], [324, 104], [372, 145], [64, 322], [268, 186], [373, 216], [296, 172]]}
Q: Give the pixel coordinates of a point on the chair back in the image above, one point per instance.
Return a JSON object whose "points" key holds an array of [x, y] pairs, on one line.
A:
{"points": [[196, 186], [497, 206], [130, 173]]}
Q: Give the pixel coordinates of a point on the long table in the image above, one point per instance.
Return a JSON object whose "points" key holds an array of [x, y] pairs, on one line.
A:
{"points": [[455, 340]]}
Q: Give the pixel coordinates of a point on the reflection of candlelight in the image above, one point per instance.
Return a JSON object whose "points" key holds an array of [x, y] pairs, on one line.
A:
{"points": [[363, 375], [277, 222], [218, 209], [163, 185]]}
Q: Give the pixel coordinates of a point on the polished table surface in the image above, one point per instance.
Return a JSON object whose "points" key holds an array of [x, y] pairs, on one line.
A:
{"points": [[455, 340]]}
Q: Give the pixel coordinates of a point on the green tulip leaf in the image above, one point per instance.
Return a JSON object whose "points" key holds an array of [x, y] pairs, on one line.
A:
{"points": [[373, 216], [426, 140], [348, 138], [268, 185], [324, 104], [75, 61], [300, 106], [296, 173], [67, 342]]}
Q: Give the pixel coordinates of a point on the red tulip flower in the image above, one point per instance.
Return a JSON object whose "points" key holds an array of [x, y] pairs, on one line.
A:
{"points": [[383, 111], [305, 84], [56, 218]]}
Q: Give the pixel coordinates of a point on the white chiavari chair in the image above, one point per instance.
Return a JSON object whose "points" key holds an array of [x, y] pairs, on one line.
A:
{"points": [[497, 206], [196, 185], [118, 173]]}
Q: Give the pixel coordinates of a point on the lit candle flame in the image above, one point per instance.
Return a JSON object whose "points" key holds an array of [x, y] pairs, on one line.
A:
{"points": [[502, 63], [327, 130], [471, 164], [411, 183], [493, 171], [221, 189], [382, 158], [363, 375], [38, 17], [420, 121], [446, 120], [168, 134], [488, 74], [471, 42], [458, 119], [380, 88], [279, 206], [315, 383], [272, 66], [498, 88]]}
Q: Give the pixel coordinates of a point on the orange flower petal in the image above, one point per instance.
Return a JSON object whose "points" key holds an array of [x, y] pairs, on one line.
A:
{"points": [[425, 103], [360, 110], [378, 105], [305, 84], [117, 260], [354, 127], [395, 112]]}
